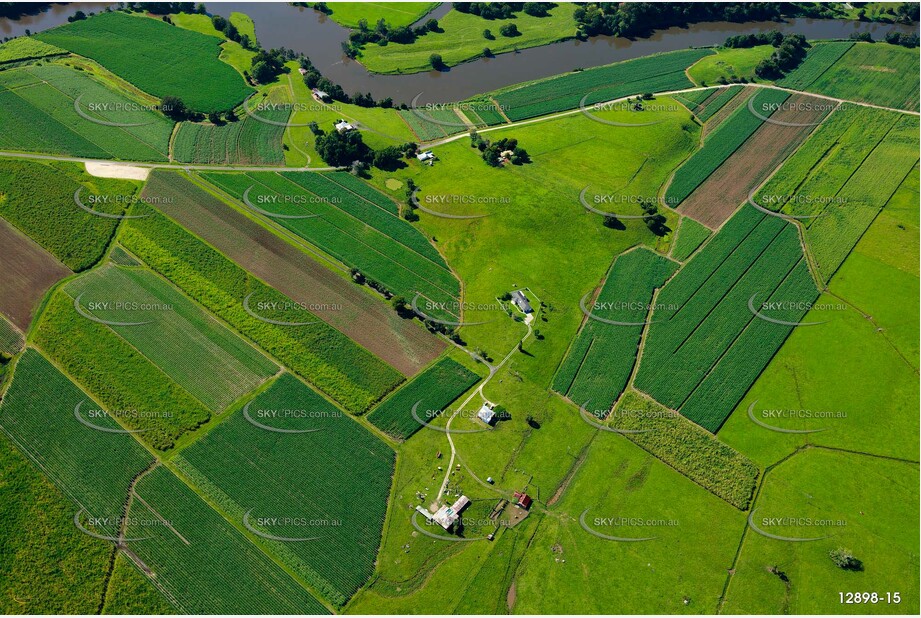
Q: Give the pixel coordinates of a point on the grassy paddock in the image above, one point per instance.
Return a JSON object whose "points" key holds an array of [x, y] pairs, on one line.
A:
{"points": [[156, 57], [462, 40]]}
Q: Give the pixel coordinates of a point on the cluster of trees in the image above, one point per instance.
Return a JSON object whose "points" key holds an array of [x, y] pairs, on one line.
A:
{"points": [[383, 33], [267, 65], [653, 219], [348, 149], [904, 13], [903, 39], [492, 151], [503, 10], [637, 19], [230, 31], [790, 52]]}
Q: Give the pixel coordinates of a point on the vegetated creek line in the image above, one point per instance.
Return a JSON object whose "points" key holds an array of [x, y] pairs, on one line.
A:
{"points": [[320, 38]]}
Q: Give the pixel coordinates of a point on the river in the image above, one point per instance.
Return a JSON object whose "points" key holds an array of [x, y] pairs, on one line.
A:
{"points": [[320, 38]]}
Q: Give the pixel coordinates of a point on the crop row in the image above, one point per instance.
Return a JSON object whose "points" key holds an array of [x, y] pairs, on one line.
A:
{"points": [[91, 467], [881, 74], [691, 235], [318, 352], [716, 103], [818, 59], [482, 112], [196, 351], [693, 354], [48, 104], [833, 235], [203, 563], [356, 199], [695, 98], [39, 200], [366, 238], [821, 166], [335, 476], [649, 74], [705, 310], [27, 48], [157, 58], [685, 447], [246, 142], [597, 367], [720, 144], [11, 340], [725, 386], [117, 374], [434, 390]]}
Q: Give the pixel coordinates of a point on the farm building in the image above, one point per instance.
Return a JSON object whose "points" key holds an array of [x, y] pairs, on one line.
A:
{"points": [[524, 500], [319, 95], [521, 301], [343, 127], [487, 414], [428, 155], [447, 516]]}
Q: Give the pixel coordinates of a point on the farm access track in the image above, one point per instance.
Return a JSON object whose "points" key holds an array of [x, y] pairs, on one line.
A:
{"points": [[431, 144]]}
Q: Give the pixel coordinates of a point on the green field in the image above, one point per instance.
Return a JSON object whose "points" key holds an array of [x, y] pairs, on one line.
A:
{"points": [[434, 390], [91, 467], [46, 565], [42, 101], [716, 103], [462, 40], [394, 13], [157, 58], [690, 526], [248, 141], [27, 48], [842, 177], [429, 125], [719, 146], [877, 73], [130, 592], [38, 198], [332, 482], [835, 359], [127, 383], [325, 357], [649, 74], [204, 563], [819, 58], [207, 359], [360, 229], [691, 235], [600, 361], [705, 347], [729, 64], [856, 511], [11, 339], [687, 448]]}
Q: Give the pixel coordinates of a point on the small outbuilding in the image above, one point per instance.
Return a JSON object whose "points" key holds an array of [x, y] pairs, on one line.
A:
{"points": [[343, 127], [524, 500], [428, 155], [487, 415], [319, 95]]}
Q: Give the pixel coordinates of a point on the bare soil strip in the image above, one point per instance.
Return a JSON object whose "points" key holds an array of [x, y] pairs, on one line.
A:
{"points": [[370, 322], [26, 273], [719, 195]]}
